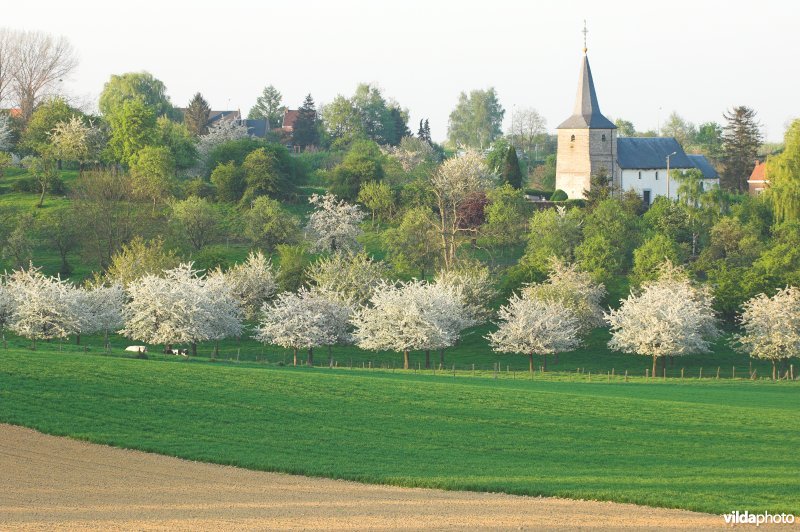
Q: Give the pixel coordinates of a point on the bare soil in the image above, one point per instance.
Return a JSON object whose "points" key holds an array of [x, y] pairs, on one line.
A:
{"points": [[48, 483]]}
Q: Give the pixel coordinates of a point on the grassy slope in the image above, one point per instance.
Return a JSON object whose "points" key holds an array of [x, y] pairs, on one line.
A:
{"points": [[705, 446]]}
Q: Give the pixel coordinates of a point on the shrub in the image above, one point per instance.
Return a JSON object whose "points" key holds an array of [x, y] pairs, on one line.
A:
{"points": [[559, 195]]}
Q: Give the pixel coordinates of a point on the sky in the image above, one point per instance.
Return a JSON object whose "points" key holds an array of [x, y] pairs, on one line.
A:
{"points": [[648, 59]]}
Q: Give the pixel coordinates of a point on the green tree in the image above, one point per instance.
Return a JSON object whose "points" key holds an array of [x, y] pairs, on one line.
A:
{"points": [[180, 142], [741, 139], [36, 137], [414, 247], [362, 163], [783, 171], [477, 119], [19, 244], [195, 118], [511, 172], [506, 215], [197, 220], [292, 263], [625, 128], [229, 182], [341, 122], [135, 86], [44, 171], [267, 224], [651, 255], [138, 258], [268, 106], [152, 170], [378, 198], [684, 131], [709, 139], [306, 128], [133, 126], [60, 228], [261, 174], [553, 233], [611, 231]]}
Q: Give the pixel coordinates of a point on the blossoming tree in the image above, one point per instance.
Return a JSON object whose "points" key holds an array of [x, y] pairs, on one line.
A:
{"points": [[334, 225]]}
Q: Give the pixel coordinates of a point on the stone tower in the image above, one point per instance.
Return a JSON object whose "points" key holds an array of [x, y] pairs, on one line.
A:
{"points": [[587, 141]]}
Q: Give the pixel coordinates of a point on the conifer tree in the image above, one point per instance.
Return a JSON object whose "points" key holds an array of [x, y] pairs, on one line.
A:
{"points": [[306, 132], [511, 172], [196, 116], [741, 139]]}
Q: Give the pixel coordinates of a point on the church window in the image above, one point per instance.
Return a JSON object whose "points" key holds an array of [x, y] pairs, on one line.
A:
{"points": [[604, 138], [572, 138], [656, 175], [640, 174]]}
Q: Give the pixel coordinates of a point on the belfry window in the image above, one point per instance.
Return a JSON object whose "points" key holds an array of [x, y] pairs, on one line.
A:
{"points": [[604, 138], [572, 138]]}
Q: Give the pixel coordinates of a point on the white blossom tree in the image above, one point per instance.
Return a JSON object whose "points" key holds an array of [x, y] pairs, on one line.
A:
{"points": [[334, 225], [454, 183], [6, 307], [410, 316], [225, 320], [535, 327], [771, 326], [575, 290], [220, 132], [301, 320], [178, 307], [346, 277], [103, 309], [252, 283], [42, 307], [669, 317], [6, 133]]}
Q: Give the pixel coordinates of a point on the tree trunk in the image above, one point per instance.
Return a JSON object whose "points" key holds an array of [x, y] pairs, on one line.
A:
{"points": [[34, 343], [216, 349], [167, 348], [441, 356], [664, 367], [295, 356], [427, 359], [773, 370], [330, 356], [310, 361], [544, 362], [655, 362], [405, 359], [194, 349], [78, 339], [41, 198], [530, 362]]}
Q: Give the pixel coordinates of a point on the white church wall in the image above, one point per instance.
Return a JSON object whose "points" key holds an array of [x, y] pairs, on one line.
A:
{"points": [[654, 180]]}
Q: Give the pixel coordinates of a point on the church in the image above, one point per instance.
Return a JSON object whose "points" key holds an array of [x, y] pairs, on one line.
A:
{"points": [[588, 145]]}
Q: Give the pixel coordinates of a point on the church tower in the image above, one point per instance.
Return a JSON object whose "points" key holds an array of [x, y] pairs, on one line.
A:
{"points": [[587, 141]]}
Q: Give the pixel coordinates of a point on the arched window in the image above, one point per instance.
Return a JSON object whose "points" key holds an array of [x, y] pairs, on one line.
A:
{"points": [[604, 138], [640, 174], [656, 175], [572, 138]]}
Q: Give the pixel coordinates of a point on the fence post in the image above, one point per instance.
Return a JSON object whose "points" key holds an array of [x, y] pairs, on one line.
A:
{"points": [[717, 372], [791, 371], [701, 372], [733, 372], [626, 375], [681, 373], [647, 373]]}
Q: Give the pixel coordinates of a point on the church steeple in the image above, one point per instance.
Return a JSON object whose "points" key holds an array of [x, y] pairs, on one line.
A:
{"points": [[586, 114]]}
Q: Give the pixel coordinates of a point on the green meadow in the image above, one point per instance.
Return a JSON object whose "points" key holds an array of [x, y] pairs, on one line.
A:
{"points": [[708, 445]]}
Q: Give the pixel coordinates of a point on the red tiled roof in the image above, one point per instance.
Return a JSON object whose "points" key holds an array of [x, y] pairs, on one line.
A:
{"points": [[759, 173], [289, 118]]}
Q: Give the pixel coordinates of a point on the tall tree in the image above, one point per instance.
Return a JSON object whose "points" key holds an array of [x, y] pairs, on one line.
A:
{"points": [[527, 129], [37, 135], [477, 119], [741, 139], [682, 130], [510, 172], [306, 130], [135, 85], [133, 126], [783, 171], [268, 106], [424, 131], [196, 116], [40, 61], [625, 128]]}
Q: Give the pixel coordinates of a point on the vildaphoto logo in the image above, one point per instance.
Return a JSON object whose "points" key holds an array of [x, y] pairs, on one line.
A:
{"points": [[746, 518]]}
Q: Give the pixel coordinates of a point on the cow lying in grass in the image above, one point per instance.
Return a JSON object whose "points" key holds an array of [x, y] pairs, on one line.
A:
{"points": [[137, 348], [181, 352]]}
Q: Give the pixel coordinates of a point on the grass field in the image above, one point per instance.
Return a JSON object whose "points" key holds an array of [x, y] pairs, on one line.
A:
{"points": [[704, 445]]}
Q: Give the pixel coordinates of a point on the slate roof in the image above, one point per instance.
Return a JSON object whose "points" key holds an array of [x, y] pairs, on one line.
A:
{"points": [[701, 163], [586, 114], [257, 128], [650, 153]]}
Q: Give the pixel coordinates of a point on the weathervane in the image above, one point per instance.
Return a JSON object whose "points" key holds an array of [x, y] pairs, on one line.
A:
{"points": [[585, 31]]}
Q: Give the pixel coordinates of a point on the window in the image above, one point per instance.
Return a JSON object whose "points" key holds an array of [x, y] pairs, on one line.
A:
{"points": [[572, 138], [604, 138], [640, 174], [656, 175]]}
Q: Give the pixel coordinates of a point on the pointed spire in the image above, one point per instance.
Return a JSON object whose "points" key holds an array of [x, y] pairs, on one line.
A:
{"points": [[585, 31], [586, 114]]}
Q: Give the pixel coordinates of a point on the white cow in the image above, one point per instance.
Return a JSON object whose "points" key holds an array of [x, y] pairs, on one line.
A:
{"points": [[137, 348]]}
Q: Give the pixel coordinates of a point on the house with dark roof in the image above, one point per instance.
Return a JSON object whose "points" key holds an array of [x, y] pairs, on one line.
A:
{"points": [[588, 145], [256, 128], [758, 181]]}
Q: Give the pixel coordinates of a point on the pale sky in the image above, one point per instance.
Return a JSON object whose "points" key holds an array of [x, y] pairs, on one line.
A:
{"points": [[648, 59]]}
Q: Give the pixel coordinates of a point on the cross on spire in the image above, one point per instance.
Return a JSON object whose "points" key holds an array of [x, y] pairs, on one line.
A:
{"points": [[585, 31]]}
